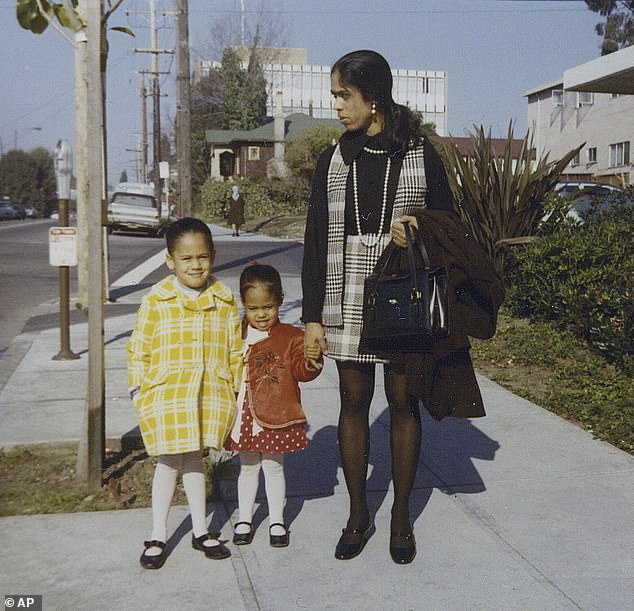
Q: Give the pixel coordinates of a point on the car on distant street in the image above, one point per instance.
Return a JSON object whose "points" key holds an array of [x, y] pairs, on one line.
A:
{"points": [[26, 211], [8, 211], [133, 208]]}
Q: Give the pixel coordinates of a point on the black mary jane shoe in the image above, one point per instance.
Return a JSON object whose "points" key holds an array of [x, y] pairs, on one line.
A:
{"points": [[278, 540], [352, 542], [156, 561], [402, 547], [243, 538], [213, 552]]}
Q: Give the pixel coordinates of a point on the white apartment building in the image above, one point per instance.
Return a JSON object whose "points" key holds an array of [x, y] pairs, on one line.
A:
{"points": [[592, 104], [306, 89]]}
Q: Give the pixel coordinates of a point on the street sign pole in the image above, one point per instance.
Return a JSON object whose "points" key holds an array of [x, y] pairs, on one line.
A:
{"points": [[63, 172]]}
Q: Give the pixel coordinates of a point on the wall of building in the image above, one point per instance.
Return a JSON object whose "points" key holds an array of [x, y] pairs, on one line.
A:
{"points": [[255, 168], [306, 89], [560, 120]]}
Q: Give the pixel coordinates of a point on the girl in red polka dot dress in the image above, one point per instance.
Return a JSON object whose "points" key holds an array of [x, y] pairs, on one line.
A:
{"points": [[270, 420]]}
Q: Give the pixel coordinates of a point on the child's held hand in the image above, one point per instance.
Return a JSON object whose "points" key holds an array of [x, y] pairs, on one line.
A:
{"points": [[313, 356]]}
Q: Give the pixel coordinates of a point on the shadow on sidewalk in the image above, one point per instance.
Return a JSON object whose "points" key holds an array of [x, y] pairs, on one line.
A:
{"points": [[445, 463]]}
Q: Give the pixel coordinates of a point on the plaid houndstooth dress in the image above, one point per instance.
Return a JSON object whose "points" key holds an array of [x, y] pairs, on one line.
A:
{"points": [[351, 258]]}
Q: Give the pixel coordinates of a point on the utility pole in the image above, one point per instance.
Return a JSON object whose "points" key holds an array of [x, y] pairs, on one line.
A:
{"points": [[156, 95], [89, 125], [183, 113], [156, 118], [143, 130]]}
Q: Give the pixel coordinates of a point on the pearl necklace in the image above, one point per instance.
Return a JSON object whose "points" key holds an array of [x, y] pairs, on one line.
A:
{"points": [[371, 243]]}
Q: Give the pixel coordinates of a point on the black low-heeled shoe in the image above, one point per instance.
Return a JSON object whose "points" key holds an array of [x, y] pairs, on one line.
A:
{"points": [[243, 538], [213, 552], [352, 542], [155, 561], [402, 547], [278, 540]]}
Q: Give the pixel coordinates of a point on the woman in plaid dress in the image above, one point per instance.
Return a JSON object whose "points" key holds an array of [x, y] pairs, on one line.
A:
{"points": [[184, 367], [380, 173]]}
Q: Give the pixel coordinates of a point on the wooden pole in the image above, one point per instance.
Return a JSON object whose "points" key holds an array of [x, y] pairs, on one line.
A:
{"points": [[183, 110], [92, 442]]}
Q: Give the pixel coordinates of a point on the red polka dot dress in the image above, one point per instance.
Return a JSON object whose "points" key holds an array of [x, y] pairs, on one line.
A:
{"points": [[272, 441], [254, 437]]}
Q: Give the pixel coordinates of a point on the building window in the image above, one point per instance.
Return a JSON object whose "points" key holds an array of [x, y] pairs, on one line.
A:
{"points": [[585, 98], [619, 154], [592, 154], [253, 153], [575, 160], [558, 97]]}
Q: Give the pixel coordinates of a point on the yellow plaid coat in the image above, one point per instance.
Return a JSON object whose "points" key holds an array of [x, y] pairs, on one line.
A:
{"points": [[186, 357]]}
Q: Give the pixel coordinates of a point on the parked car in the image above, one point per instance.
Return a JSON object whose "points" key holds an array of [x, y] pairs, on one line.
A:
{"points": [[72, 215], [584, 206], [586, 193], [133, 208], [8, 211], [572, 188], [26, 211]]}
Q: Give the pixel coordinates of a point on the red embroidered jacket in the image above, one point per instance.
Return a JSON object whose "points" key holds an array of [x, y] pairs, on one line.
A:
{"points": [[275, 365]]}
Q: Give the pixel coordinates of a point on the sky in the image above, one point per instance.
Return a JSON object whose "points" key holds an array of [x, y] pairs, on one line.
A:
{"points": [[492, 50]]}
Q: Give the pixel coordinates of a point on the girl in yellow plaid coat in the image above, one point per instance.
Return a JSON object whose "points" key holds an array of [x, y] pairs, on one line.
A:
{"points": [[184, 367]]}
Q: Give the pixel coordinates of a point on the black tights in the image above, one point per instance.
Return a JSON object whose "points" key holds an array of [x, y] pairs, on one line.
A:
{"points": [[356, 388]]}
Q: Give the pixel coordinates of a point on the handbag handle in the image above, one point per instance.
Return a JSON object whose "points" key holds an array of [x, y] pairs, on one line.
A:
{"points": [[412, 239]]}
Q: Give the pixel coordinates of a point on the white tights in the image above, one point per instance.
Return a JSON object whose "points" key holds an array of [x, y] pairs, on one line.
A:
{"points": [[274, 484], [163, 486]]}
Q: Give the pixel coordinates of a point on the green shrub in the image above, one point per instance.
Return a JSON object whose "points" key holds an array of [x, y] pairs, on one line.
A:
{"points": [[214, 196], [290, 196], [262, 198], [500, 193], [580, 277]]}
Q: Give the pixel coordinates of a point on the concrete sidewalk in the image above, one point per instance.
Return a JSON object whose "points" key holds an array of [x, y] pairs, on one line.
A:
{"points": [[520, 510]]}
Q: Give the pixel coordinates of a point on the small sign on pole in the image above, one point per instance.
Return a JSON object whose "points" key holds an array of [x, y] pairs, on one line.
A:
{"points": [[62, 246]]}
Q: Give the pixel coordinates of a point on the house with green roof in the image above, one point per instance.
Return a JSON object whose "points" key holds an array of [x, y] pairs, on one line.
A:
{"points": [[257, 153]]}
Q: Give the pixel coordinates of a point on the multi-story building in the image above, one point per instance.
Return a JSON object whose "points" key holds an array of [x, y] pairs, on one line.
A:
{"points": [[306, 87], [592, 105]]}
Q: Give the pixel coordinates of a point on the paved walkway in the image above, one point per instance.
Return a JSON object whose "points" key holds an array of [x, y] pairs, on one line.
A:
{"points": [[518, 511]]}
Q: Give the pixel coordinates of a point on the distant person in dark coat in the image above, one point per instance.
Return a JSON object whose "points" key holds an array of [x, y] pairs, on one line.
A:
{"points": [[236, 210]]}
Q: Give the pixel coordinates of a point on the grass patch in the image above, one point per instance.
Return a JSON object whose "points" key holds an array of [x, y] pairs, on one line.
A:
{"points": [[41, 479], [556, 370]]}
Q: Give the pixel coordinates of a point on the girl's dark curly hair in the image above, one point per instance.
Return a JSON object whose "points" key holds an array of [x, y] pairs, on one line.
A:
{"points": [[266, 275], [185, 225]]}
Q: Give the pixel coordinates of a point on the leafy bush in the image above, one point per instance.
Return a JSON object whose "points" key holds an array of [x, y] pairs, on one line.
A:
{"points": [[500, 193], [580, 277], [214, 196], [290, 196], [302, 152], [263, 198]]}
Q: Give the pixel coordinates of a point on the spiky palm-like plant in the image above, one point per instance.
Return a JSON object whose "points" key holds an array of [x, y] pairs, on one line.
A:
{"points": [[500, 195]]}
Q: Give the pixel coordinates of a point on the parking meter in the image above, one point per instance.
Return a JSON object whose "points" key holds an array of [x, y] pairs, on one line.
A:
{"points": [[63, 169]]}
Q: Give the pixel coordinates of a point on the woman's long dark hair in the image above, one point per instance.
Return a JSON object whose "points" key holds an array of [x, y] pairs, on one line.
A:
{"points": [[370, 73]]}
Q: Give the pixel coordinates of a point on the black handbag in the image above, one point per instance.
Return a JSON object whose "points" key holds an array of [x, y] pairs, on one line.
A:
{"points": [[403, 311]]}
